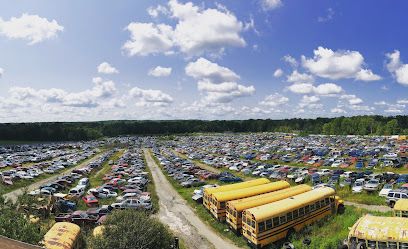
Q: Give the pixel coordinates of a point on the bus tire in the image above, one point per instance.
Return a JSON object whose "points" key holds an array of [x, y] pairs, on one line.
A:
{"points": [[392, 203], [361, 245], [341, 209], [290, 232]]}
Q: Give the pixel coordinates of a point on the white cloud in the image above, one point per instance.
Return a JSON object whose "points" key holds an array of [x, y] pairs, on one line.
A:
{"points": [[274, 100], [156, 11], [352, 99], [1, 72], [150, 97], [397, 68], [301, 88], [205, 69], [367, 75], [160, 71], [297, 77], [196, 31], [290, 60], [278, 73], [328, 89], [393, 110], [271, 4], [148, 38], [106, 68], [327, 63], [329, 16], [224, 92], [322, 89], [31, 28], [337, 110], [402, 101], [309, 102]]}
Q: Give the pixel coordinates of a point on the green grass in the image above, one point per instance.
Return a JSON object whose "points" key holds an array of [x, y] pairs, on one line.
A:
{"points": [[362, 198]]}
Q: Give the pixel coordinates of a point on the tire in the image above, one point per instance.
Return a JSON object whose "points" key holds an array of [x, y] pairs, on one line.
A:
{"points": [[392, 203], [341, 209], [361, 245]]}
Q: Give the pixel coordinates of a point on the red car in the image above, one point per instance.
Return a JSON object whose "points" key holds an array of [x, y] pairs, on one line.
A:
{"points": [[90, 200]]}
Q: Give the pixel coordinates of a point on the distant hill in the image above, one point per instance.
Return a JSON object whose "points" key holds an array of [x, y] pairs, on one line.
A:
{"points": [[74, 131]]}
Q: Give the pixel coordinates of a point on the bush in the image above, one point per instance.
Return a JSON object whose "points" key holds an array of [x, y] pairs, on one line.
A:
{"points": [[132, 229]]}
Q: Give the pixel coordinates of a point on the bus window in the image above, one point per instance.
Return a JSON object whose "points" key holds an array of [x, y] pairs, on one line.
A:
{"points": [[295, 214], [261, 226], [327, 201], [301, 211], [322, 203], [268, 224], [282, 219], [312, 207], [276, 222], [289, 216], [222, 205], [317, 204], [307, 209]]}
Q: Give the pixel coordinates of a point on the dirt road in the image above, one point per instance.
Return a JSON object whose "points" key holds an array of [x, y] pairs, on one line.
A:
{"points": [[14, 194], [175, 212], [377, 208]]}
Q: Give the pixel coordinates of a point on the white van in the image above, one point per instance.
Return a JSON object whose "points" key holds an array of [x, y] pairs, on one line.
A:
{"points": [[78, 191]]}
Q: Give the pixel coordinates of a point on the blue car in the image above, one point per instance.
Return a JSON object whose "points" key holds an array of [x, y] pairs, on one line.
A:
{"points": [[402, 179], [230, 179]]}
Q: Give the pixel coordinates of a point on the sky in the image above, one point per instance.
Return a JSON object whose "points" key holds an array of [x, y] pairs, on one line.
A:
{"points": [[94, 60]]}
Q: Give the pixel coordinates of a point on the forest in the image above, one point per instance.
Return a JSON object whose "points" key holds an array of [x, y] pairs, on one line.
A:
{"points": [[75, 131]]}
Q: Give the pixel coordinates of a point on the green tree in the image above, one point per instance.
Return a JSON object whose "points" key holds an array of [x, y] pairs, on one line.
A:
{"points": [[16, 225], [391, 128], [133, 229]]}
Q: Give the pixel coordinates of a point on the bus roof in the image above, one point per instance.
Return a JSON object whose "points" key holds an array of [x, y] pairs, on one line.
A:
{"points": [[255, 201], [275, 208], [380, 228], [251, 191], [61, 235], [235, 186], [401, 205]]}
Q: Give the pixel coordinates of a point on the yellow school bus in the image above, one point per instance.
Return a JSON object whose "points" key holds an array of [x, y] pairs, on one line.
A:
{"points": [[235, 208], [376, 232], [209, 191], [401, 208], [268, 223], [219, 200], [62, 235]]}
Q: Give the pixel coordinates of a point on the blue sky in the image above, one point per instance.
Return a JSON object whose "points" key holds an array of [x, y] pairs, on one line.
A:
{"points": [[176, 59]]}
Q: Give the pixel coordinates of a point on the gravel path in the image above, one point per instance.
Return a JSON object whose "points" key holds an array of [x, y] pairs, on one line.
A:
{"points": [[176, 213], [16, 193], [377, 208]]}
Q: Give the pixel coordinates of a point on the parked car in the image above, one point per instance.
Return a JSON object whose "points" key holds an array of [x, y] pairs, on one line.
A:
{"points": [[358, 186], [90, 200], [386, 189], [133, 203], [78, 191], [372, 185], [394, 195]]}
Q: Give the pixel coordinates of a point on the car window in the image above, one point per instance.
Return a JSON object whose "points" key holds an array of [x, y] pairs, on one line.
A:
{"points": [[405, 196], [390, 194], [397, 195]]}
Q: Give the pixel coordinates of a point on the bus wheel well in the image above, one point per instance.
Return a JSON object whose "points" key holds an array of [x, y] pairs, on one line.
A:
{"points": [[340, 209]]}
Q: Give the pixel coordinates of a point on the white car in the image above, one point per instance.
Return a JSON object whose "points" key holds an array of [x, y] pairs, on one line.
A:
{"points": [[78, 191], [385, 190], [102, 193], [358, 186]]}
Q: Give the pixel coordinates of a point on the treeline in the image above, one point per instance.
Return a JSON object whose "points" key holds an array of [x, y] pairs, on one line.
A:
{"points": [[66, 131]]}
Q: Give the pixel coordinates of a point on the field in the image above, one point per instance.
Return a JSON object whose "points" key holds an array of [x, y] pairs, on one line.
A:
{"points": [[327, 233]]}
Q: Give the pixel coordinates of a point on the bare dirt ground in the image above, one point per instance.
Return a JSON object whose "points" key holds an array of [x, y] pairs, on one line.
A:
{"points": [[378, 208], [175, 212], [16, 193]]}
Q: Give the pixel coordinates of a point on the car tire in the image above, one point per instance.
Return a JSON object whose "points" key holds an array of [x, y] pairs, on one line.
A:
{"points": [[392, 203]]}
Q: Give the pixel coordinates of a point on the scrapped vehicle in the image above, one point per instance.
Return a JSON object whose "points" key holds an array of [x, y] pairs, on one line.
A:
{"points": [[346, 182], [101, 211], [102, 193], [395, 195], [62, 233], [64, 206], [77, 217], [133, 203], [358, 186], [386, 189], [230, 179], [83, 182], [78, 191], [378, 232], [90, 200], [401, 208], [194, 182], [372, 185]]}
